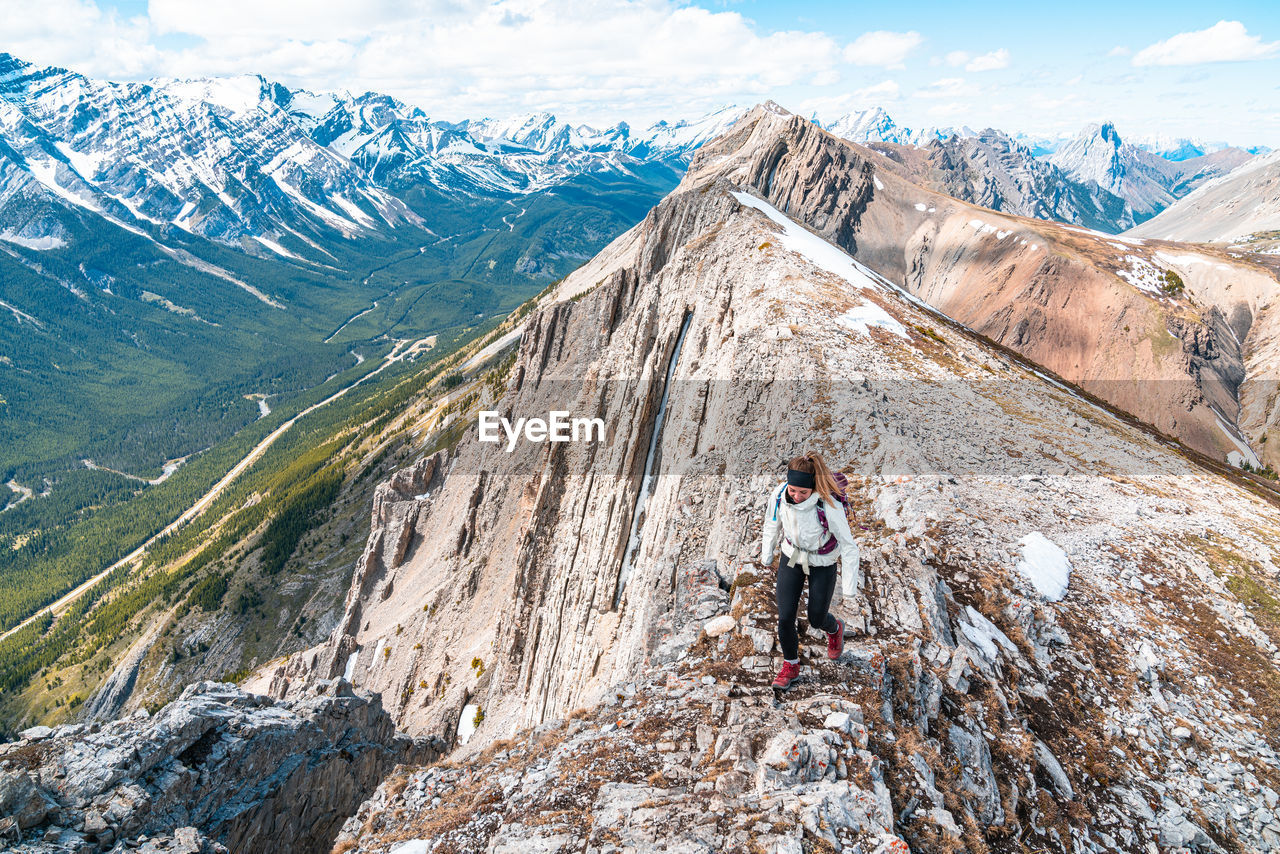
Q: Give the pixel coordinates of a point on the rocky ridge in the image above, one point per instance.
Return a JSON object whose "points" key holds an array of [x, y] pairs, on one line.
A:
{"points": [[600, 608], [1177, 335], [216, 769]]}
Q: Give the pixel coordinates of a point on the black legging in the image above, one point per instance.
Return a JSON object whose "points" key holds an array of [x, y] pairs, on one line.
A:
{"points": [[822, 586]]}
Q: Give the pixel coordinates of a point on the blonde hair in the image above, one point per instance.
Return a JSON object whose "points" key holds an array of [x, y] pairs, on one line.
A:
{"points": [[824, 481]]}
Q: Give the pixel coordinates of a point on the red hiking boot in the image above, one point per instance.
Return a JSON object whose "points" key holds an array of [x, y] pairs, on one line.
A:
{"points": [[835, 641], [787, 675]]}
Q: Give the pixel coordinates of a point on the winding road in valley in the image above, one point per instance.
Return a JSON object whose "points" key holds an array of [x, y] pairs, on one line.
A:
{"points": [[398, 352]]}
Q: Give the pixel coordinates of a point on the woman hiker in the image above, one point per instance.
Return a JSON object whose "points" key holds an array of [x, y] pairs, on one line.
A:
{"points": [[808, 511]]}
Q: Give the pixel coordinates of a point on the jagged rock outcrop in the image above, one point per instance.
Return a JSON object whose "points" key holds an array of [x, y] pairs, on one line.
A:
{"points": [[215, 770], [1067, 638], [396, 507]]}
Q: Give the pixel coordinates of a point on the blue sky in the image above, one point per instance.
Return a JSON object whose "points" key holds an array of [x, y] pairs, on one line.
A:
{"points": [[1175, 68]]}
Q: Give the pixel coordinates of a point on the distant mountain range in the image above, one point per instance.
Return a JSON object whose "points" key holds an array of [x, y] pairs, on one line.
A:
{"points": [[203, 240], [1095, 179], [1241, 208], [875, 125], [252, 164], [245, 159]]}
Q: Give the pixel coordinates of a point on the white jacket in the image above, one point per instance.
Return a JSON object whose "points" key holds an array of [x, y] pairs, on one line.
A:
{"points": [[801, 525]]}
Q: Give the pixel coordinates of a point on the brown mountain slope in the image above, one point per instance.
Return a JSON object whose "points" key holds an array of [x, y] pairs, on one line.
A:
{"points": [[1095, 309]]}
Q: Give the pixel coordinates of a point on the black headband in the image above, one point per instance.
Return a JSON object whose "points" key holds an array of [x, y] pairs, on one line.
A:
{"points": [[802, 479]]}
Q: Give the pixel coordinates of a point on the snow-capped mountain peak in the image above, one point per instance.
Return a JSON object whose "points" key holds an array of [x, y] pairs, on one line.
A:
{"points": [[875, 125], [236, 95], [1100, 155]]}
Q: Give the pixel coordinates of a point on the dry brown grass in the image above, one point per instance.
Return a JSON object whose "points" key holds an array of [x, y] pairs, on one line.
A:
{"points": [[494, 748], [395, 786], [1235, 661], [27, 758]]}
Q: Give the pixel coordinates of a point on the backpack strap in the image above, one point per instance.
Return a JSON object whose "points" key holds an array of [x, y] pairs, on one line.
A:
{"points": [[829, 546]]}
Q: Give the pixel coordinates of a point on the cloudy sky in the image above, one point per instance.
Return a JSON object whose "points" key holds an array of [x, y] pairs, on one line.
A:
{"points": [[1173, 67]]}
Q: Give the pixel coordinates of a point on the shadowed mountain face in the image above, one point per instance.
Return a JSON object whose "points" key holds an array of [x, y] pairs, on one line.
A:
{"points": [[1044, 621]]}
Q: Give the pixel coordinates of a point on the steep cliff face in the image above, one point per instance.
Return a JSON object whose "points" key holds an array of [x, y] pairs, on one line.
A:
{"points": [[1067, 638]]}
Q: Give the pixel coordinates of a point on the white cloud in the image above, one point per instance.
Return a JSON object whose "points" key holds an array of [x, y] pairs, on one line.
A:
{"points": [[299, 20], [79, 35], [985, 62], [1225, 41], [830, 106], [590, 59], [949, 110], [1040, 102], [947, 87], [883, 48], [887, 90], [1119, 50], [992, 61]]}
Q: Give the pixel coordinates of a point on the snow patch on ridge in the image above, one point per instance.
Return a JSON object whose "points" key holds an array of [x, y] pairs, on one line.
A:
{"points": [[1132, 241], [467, 723], [40, 244], [1045, 565], [85, 164], [45, 171], [274, 247], [862, 317], [234, 94], [350, 670], [1143, 275], [816, 250], [1243, 453]]}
